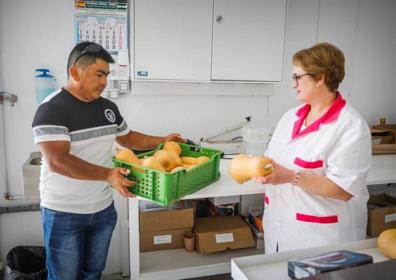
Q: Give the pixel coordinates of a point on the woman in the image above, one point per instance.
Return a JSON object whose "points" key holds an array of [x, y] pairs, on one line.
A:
{"points": [[321, 152]]}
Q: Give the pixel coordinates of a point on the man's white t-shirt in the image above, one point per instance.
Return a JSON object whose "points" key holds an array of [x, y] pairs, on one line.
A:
{"points": [[91, 128]]}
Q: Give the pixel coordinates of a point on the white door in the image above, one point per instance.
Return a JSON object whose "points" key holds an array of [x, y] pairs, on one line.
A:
{"points": [[173, 39], [248, 40]]}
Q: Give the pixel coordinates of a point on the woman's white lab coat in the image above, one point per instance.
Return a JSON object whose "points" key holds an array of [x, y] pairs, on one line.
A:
{"points": [[338, 146]]}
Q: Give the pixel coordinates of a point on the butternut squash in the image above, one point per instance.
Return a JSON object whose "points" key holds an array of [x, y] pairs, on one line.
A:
{"points": [[189, 166], [167, 159], [387, 243], [193, 160], [176, 158], [153, 163], [245, 167], [128, 156], [173, 146]]}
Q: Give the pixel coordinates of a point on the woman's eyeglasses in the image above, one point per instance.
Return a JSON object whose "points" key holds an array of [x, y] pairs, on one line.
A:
{"points": [[90, 49], [296, 77]]}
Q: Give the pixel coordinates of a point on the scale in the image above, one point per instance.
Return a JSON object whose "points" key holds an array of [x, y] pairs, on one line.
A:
{"points": [[230, 143]]}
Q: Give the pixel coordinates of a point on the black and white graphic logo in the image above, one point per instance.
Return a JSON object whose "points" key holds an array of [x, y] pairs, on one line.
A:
{"points": [[110, 115]]}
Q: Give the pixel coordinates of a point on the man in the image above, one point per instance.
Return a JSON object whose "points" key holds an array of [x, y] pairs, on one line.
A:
{"points": [[75, 128]]}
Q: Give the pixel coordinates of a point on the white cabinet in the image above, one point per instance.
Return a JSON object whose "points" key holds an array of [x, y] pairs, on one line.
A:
{"points": [[248, 39], [202, 40], [173, 39]]}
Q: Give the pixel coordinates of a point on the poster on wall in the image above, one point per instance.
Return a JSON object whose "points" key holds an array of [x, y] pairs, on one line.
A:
{"points": [[105, 22]]}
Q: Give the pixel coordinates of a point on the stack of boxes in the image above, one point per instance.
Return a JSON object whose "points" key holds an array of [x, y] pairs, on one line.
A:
{"points": [[165, 229], [162, 229]]}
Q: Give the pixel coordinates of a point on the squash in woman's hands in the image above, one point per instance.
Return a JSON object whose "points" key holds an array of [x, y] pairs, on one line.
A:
{"points": [[245, 167], [387, 243]]}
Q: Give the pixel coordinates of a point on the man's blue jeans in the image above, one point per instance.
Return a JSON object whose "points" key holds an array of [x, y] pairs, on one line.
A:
{"points": [[77, 244]]}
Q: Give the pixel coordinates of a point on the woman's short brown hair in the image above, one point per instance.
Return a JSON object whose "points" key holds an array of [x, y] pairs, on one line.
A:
{"points": [[323, 58]]}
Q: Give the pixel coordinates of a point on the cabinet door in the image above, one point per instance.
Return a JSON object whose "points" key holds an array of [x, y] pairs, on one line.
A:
{"points": [[248, 40], [173, 39]]}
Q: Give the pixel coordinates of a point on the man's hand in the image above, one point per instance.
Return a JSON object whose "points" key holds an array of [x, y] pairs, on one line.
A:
{"points": [[116, 177], [175, 137]]}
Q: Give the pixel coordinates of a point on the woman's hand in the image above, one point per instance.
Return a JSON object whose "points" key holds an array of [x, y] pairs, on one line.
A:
{"points": [[279, 175]]}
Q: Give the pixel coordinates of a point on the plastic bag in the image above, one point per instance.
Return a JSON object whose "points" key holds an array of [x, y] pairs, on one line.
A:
{"points": [[26, 263]]}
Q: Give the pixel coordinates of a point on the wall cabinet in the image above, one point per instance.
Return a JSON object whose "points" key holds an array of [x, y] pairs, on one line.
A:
{"points": [[202, 40]]}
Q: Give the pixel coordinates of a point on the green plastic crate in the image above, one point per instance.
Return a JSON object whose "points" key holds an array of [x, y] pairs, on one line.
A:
{"points": [[165, 188]]}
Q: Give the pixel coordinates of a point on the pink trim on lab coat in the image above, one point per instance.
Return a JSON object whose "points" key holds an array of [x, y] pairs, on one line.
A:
{"points": [[266, 199], [317, 219], [308, 164], [331, 115]]}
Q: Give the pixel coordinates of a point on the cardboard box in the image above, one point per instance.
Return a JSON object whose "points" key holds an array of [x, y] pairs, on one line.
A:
{"points": [[381, 214], [164, 229], [162, 240], [166, 219], [221, 233]]}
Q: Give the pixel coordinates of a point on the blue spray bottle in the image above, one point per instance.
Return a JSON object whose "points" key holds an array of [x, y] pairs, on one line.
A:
{"points": [[45, 84]]}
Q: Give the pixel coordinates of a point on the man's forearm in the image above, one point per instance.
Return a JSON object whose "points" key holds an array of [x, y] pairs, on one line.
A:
{"points": [[76, 168]]}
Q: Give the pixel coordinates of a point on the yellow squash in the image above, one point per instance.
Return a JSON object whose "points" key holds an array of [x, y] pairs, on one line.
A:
{"points": [[153, 163], [387, 243], [245, 167], [128, 156]]}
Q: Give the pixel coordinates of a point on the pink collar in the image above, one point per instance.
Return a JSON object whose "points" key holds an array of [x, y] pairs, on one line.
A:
{"points": [[332, 114]]}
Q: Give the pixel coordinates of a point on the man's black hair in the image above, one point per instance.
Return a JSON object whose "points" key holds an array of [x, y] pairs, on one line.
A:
{"points": [[75, 54]]}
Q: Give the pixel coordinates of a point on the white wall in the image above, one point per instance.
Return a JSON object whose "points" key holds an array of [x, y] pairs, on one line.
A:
{"points": [[31, 38]]}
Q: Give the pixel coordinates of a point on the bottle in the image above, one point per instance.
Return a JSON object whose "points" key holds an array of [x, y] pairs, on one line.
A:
{"points": [[382, 121], [45, 84], [255, 139]]}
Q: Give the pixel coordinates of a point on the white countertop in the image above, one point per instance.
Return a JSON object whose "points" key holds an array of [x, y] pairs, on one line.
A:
{"points": [[383, 171], [274, 266]]}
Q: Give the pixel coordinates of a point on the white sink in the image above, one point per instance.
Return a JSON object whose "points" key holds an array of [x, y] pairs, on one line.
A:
{"points": [[31, 176]]}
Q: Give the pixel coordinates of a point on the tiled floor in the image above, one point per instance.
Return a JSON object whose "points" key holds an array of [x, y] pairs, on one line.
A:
{"points": [[213, 277]]}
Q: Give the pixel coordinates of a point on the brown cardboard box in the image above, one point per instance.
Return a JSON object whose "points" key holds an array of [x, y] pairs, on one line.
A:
{"points": [[166, 219], [381, 214], [161, 230], [220, 233], [162, 240]]}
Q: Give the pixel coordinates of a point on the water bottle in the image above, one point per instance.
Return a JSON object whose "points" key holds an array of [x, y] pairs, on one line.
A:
{"points": [[45, 84]]}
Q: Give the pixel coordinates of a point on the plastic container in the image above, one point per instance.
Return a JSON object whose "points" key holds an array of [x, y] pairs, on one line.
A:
{"points": [[45, 84], [164, 188], [255, 139]]}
